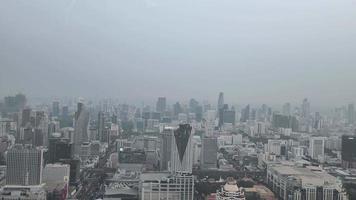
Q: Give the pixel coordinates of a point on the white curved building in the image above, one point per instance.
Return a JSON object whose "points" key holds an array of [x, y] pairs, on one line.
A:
{"points": [[230, 191]]}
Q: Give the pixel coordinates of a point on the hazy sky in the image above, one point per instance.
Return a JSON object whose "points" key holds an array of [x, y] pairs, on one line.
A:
{"points": [[254, 50]]}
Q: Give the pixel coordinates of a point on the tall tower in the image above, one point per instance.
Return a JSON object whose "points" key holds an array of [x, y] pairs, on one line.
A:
{"points": [[24, 166], [80, 127], [166, 147], [161, 104], [55, 108], [221, 100], [350, 113], [182, 150], [305, 108], [101, 125]]}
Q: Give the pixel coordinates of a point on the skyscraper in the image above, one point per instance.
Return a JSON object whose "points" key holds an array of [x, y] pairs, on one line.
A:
{"points": [[209, 152], [350, 113], [245, 114], [221, 100], [181, 153], [348, 151], [286, 109], [161, 104], [305, 108], [166, 148], [55, 108], [80, 127], [24, 166], [101, 125]]}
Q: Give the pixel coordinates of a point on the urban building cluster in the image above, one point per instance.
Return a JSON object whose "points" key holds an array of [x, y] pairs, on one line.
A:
{"points": [[82, 149]]}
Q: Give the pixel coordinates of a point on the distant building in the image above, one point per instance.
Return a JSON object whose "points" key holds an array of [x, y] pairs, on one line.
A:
{"points": [[161, 104], [80, 127], [55, 108], [351, 113], [24, 166]]}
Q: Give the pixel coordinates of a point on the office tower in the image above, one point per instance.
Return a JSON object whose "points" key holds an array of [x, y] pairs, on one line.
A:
{"points": [[348, 151], [24, 166], [210, 122], [245, 114], [55, 108], [316, 148], [166, 138], [221, 100], [59, 149], [26, 116], [80, 127], [177, 108], [101, 125], [286, 109], [181, 153], [229, 116], [230, 191], [13, 104], [161, 105], [41, 129], [226, 116], [65, 111], [195, 108], [305, 108], [209, 152], [350, 113], [221, 111]]}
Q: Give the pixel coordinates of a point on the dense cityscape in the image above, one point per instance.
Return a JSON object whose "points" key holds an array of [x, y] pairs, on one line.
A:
{"points": [[75, 148]]}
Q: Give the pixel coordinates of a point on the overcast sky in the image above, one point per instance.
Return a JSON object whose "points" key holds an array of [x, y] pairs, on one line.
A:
{"points": [[255, 51]]}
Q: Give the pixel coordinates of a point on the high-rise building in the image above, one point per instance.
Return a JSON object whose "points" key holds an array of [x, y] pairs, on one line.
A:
{"points": [[59, 149], [55, 108], [24, 166], [316, 148], [209, 152], [350, 113], [305, 108], [286, 109], [181, 152], [101, 125], [166, 147], [348, 151], [245, 114], [161, 104], [221, 100], [80, 127], [26, 116]]}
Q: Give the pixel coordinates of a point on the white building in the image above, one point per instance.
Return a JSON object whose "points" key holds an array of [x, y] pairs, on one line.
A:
{"points": [[316, 148]]}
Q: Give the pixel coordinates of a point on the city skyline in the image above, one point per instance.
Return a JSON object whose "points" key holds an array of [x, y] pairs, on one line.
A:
{"points": [[271, 51]]}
